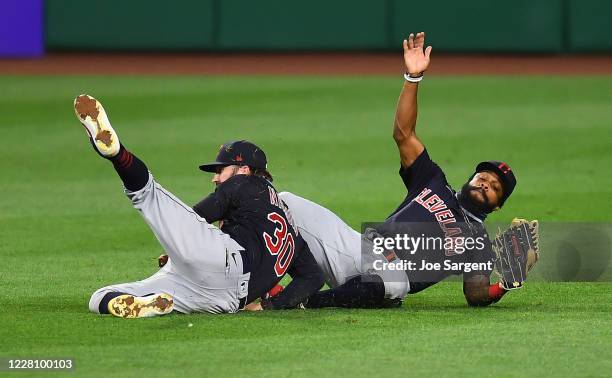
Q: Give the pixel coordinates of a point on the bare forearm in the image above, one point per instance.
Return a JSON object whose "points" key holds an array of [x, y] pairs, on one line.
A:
{"points": [[479, 292], [406, 113], [416, 58], [478, 296]]}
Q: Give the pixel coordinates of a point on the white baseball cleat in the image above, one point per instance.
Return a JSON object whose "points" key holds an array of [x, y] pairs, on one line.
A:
{"points": [[92, 116], [130, 306]]}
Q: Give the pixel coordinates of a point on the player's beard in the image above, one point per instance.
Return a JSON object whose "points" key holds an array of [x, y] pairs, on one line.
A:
{"points": [[467, 200]]}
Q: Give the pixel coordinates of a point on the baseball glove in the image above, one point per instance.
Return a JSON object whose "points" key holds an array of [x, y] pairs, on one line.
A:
{"points": [[517, 251]]}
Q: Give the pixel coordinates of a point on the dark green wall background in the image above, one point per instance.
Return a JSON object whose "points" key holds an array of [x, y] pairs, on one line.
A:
{"points": [[590, 25], [484, 25], [129, 24], [312, 24], [550, 26]]}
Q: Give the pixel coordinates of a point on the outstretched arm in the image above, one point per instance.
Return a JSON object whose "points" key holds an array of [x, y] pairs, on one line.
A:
{"points": [[416, 59]]}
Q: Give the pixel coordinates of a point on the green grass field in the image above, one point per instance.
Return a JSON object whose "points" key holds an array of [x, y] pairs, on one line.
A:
{"points": [[66, 228]]}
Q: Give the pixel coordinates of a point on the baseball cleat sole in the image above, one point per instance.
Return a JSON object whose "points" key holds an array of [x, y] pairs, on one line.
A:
{"points": [[130, 306], [92, 116]]}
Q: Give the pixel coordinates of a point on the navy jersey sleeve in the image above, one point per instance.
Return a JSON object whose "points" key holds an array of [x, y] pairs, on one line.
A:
{"points": [[417, 175], [214, 207], [307, 278]]}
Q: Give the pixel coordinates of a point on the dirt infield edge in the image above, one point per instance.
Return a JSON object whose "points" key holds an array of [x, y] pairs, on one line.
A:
{"points": [[300, 64]]}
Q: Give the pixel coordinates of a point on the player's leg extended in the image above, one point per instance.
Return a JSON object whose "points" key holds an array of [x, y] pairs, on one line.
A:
{"points": [[159, 294], [334, 244], [121, 300], [207, 258], [105, 141], [182, 233], [372, 288], [198, 250], [338, 251]]}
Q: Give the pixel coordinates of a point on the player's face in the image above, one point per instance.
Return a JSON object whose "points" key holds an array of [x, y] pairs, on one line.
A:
{"points": [[486, 189], [224, 173]]}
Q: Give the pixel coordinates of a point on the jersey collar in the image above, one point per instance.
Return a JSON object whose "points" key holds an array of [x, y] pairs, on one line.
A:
{"points": [[474, 217], [478, 218]]}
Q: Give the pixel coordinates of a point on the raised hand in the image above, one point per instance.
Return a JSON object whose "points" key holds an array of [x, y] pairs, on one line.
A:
{"points": [[416, 57]]}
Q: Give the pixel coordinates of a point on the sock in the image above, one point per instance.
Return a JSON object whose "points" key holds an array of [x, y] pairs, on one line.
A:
{"points": [[103, 306], [132, 171], [367, 291]]}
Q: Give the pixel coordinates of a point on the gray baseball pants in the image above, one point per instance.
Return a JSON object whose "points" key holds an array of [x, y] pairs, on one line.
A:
{"points": [[337, 248], [204, 272]]}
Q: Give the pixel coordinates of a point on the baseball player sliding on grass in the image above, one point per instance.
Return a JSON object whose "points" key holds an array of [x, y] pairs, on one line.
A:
{"points": [[209, 269], [358, 277]]}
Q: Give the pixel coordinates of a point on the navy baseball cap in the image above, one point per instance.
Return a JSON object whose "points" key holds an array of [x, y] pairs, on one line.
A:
{"points": [[505, 174], [240, 152]]}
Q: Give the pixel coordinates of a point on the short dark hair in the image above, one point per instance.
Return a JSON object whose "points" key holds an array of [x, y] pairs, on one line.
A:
{"points": [[262, 172]]}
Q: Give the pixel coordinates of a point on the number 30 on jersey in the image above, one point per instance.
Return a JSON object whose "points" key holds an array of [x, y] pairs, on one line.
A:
{"points": [[281, 244]]}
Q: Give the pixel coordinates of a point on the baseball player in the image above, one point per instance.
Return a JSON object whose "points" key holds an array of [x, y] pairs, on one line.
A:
{"points": [[209, 269], [430, 204]]}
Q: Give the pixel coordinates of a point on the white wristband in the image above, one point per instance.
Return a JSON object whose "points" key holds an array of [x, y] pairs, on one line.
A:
{"points": [[413, 79]]}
